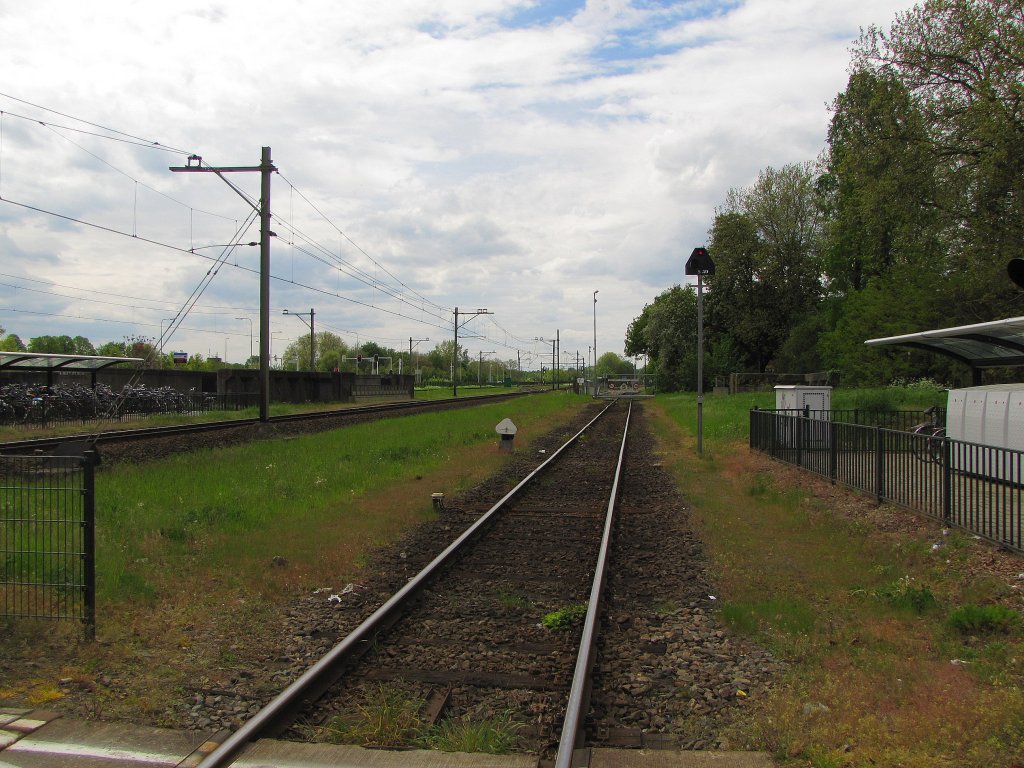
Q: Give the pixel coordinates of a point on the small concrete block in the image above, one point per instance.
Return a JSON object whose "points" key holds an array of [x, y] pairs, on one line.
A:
{"points": [[25, 725]]}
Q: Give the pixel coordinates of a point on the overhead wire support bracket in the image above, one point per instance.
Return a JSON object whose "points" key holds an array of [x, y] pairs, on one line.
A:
{"points": [[265, 168]]}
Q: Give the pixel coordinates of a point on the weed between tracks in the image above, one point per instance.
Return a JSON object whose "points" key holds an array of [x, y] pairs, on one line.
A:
{"points": [[390, 717], [902, 646]]}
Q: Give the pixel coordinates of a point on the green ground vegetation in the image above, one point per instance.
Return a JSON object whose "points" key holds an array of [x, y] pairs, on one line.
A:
{"points": [[30, 432], [304, 500], [898, 652]]}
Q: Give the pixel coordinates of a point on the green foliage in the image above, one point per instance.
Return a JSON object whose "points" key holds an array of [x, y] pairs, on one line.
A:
{"points": [[985, 619], [904, 595], [906, 223], [565, 618], [790, 616], [497, 736], [12, 343], [612, 364], [173, 509], [389, 717]]}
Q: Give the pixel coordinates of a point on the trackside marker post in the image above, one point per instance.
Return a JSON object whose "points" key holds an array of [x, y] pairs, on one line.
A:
{"points": [[507, 430]]}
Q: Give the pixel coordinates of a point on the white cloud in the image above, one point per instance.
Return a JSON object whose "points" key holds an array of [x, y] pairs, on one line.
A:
{"points": [[502, 153]]}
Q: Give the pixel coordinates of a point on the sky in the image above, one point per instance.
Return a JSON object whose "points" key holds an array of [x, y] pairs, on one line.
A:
{"points": [[502, 154]]}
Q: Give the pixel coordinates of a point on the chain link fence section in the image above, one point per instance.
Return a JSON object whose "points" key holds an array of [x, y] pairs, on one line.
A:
{"points": [[47, 538]]}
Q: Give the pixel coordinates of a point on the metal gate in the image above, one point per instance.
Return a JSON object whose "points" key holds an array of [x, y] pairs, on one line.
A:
{"points": [[47, 538]]}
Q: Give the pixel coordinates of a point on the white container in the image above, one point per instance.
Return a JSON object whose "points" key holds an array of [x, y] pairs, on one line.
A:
{"points": [[992, 415], [793, 397]]}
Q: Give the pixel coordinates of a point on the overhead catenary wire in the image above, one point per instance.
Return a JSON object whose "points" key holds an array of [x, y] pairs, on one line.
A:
{"points": [[399, 290], [360, 248]]}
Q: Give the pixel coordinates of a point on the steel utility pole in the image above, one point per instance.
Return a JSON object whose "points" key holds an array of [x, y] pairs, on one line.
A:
{"points": [[265, 168], [312, 337], [455, 352], [411, 364]]}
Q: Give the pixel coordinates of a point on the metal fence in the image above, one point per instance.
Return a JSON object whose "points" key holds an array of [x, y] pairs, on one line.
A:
{"points": [[82, 407], [975, 487], [47, 538]]}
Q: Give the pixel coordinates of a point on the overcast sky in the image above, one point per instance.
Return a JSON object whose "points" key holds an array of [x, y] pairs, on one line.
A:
{"points": [[500, 154]]}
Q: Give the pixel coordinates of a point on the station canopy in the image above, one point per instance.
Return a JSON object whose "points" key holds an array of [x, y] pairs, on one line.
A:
{"points": [[984, 345], [43, 361]]}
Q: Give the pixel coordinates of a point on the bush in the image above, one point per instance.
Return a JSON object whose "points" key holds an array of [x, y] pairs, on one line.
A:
{"points": [[984, 619]]}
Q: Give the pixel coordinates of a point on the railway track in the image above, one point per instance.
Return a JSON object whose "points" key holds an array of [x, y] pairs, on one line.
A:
{"points": [[313, 420], [503, 620]]}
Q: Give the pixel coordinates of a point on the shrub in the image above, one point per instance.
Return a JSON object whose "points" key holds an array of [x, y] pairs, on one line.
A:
{"points": [[984, 619]]}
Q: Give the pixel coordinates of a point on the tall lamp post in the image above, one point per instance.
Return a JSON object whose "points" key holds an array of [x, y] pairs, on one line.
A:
{"points": [[312, 337], [700, 264]]}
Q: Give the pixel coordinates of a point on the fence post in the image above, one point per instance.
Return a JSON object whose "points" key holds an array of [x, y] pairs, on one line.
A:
{"points": [[833, 451], [879, 465], [89, 543], [798, 424], [947, 479]]}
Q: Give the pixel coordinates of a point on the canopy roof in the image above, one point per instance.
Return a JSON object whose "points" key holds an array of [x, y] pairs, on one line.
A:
{"points": [[983, 345], [42, 361]]}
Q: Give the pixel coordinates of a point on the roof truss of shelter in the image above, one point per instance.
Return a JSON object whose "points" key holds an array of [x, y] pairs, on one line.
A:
{"points": [[42, 361], [983, 345]]}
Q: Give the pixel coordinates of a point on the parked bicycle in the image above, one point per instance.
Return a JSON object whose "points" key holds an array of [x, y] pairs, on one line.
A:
{"points": [[928, 444]]}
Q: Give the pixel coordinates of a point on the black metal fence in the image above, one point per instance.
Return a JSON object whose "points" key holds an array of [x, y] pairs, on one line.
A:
{"points": [[42, 406], [47, 538], [976, 487]]}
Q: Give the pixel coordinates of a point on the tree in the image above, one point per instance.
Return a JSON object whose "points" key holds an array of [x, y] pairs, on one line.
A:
{"points": [[11, 343], [54, 345], [666, 331], [329, 350], [611, 364], [766, 243], [880, 189], [440, 359], [962, 62]]}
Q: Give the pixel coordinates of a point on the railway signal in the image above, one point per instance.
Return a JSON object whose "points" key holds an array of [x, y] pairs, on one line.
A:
{"points": [[700, 264]]}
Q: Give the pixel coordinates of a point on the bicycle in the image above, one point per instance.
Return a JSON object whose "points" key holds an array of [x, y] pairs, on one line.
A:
{"points": [[929, 445]]}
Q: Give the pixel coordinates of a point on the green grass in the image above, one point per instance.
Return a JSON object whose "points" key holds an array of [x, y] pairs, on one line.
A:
{"points": [[388, 718], [497, 736], [985, 620], [726, 417], [291, 498], [869, 623]]}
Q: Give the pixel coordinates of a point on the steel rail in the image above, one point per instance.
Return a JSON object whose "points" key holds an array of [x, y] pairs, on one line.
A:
{"points": [[315, 680], [579, 692], [145, 433]]}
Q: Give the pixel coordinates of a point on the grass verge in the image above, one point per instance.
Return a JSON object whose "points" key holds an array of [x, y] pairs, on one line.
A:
{"points": [[888, 663]]}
